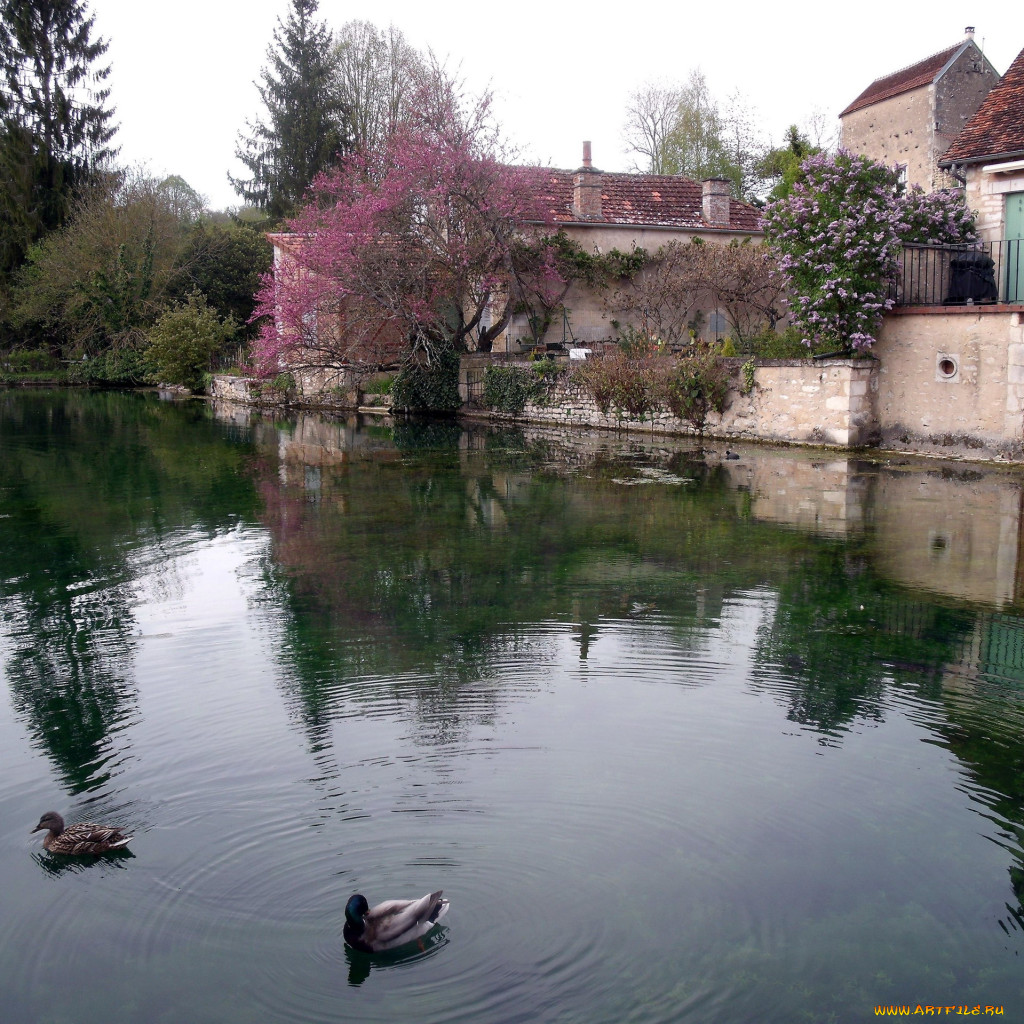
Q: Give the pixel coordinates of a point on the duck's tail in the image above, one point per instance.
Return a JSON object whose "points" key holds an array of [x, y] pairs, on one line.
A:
{"points": [[439, 907]]}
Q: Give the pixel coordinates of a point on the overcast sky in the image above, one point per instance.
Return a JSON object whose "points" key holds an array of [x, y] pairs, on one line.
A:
{"points": [[183, 73]]}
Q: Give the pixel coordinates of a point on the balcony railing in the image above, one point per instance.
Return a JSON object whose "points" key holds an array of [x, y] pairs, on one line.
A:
{"points": [[941, 275]]}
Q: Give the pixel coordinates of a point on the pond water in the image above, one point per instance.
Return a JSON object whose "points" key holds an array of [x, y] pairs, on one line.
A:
{"points": [[683, 737]]}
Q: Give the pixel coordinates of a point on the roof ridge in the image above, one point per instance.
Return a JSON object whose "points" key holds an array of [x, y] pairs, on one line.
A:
{"points": [[996, 129], [923, 60]]}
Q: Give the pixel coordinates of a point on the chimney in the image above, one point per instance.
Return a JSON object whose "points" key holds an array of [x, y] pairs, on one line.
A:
{"points": [[716, 201], [586, 189], [969, 31]]}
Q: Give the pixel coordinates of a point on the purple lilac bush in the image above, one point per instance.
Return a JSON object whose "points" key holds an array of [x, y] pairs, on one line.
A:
{"points": [[838, 236]]}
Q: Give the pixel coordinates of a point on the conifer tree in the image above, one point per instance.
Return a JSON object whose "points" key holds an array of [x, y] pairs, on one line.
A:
{"points": [[303, 128], [55, 123]]}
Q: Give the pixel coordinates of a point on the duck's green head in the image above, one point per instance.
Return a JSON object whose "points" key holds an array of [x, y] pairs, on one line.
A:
{"points": [[354, 910]]}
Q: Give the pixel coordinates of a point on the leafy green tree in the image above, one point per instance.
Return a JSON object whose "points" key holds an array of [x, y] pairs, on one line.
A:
{"points": [[304, 128], [184, 339], [183, 199], [696, 147], [55, 122], [779, 168], [226, 262], [100, 281]]}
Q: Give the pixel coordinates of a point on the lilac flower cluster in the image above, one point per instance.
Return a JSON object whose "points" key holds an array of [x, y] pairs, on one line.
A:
{"points": [[934, 218], [838, 237]]}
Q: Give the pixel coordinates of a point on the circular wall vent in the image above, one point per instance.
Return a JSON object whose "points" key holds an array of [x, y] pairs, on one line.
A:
{"points": [[947, 367]]}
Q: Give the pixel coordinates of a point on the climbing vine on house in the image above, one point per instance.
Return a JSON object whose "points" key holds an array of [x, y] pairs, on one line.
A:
{"points": [[545, 268]]}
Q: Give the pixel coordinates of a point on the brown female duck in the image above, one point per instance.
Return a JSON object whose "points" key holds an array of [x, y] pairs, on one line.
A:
{"points": [[82, 838]]}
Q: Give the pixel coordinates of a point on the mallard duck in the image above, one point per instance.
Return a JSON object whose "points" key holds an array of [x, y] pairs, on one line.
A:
{"points": [[84, 837], [392, 923]]}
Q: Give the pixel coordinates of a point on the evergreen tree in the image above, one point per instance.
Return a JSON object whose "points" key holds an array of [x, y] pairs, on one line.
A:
{"points": [[55, 125], [779, 168], [303, 130]]}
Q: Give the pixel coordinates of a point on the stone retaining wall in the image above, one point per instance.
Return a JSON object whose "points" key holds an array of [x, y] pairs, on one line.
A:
{"points": [[825, 402], [947, 382]]}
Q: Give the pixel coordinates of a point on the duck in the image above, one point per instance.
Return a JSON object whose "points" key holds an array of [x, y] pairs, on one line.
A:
{"points": [[392, 923], [82, 838]]}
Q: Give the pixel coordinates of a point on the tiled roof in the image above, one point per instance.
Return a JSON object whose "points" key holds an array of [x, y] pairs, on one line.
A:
{"points": [[645, 200], [997, 127], [921, 73]]}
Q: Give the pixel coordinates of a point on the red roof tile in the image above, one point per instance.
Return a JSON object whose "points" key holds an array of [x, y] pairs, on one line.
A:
{"points": [[645, 200], [922, 73], [997, 127]]}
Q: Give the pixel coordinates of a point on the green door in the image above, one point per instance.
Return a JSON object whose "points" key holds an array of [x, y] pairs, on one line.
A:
{"points": [[1015, 247]]}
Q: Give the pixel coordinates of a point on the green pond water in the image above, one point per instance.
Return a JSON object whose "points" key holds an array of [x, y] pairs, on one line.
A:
{"points": [[682, 737]]}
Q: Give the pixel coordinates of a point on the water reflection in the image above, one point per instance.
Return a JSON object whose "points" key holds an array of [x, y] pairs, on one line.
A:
{"points": [[434, 552], [422, 541], [89, 481], [361, 964], [56, 866], [742, 706]]}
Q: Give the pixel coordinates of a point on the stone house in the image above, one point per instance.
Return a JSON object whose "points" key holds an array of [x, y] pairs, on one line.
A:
{"points": [[953, 374], [603, 211], [988, 157], [333, 336], [912, 116]]}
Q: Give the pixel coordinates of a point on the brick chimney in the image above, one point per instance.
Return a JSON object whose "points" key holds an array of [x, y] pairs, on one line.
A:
{"points": [[586, 189], [716, 201]]}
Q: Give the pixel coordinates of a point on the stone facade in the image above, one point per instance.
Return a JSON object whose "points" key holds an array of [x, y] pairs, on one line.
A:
{"points": [[911, 117], [986, 191], [603, 211], [587, 319], [896, 131], [952, 382]]}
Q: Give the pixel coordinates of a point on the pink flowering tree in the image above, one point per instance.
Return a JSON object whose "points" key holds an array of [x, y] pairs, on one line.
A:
{"points": [[410, 247], [839, 236]]}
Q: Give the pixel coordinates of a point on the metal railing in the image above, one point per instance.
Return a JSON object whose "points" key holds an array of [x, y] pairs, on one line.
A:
{"points": [[958, 275]]}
